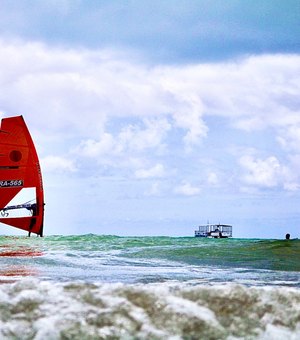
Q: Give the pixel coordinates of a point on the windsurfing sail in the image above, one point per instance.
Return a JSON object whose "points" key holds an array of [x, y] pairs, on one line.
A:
{"points": [[21, 185]]}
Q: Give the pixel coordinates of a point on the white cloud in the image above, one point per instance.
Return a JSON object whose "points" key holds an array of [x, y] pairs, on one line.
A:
{"points": [[289, 137], [83, 89], [154, 190], [57, 164], [191, 121], [186, 189], [254, 92], [92, 148], [128, 148], [154, 172], [126, 114], [152, 136], [267, 173], [213, 179]]}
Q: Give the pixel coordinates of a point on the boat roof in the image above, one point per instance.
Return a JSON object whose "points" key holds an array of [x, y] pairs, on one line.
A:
{"points": [[215, 225]]}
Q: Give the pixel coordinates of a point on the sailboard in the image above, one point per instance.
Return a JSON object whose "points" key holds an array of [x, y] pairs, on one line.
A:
{"points": [[21, 185]]}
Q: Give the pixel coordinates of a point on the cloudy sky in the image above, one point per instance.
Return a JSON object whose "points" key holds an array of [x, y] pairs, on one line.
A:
{"points": [[152, 117]]}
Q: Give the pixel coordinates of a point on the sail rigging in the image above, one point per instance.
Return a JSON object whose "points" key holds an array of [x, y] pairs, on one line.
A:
{"points": [[20, 170]]}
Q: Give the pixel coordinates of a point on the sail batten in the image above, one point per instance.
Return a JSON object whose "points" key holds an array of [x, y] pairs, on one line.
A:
{"points": [[20, 169]]}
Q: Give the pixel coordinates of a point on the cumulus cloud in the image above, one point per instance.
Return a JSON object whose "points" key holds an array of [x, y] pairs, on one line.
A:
{"points": [[121, 112], [82, 89], [95, 148], [154, 190], [212, 179], [57, 164], [132, 139], [253, 92], [289, 137], [157, 170], [261, 172], [187, 189], [152, 135], [270, 173]]}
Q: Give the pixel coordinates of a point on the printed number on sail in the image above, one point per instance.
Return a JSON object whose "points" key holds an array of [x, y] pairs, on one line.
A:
{"points": [[11, 183]]}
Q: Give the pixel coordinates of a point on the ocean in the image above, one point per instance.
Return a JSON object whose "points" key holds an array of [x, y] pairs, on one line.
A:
{"points": [[109, 287]]}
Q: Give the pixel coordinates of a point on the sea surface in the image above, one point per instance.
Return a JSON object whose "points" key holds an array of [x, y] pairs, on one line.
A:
{"points": [[109, 287]]}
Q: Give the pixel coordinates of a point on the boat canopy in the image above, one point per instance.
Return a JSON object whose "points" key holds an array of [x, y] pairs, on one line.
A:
{"points": [[214, 230]]}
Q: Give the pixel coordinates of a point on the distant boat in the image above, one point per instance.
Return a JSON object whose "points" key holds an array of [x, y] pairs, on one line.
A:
{"points": [[214, 231], [21, 185]]}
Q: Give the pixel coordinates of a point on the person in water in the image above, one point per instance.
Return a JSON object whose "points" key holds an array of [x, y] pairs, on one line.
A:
{"points": [[287, 236]]}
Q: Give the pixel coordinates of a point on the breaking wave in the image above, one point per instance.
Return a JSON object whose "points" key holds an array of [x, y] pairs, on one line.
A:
{"points": [[33, 309]]}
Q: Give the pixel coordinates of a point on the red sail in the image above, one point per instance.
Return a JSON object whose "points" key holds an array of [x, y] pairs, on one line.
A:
{"points": [[19, 169]]}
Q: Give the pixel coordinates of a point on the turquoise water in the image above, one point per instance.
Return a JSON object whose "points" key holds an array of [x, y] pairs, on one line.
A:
{"points": [[150, 259], [99, 287]]}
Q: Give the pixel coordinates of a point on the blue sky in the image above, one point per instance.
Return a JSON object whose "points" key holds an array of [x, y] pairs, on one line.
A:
{"points": [[152, 117]]}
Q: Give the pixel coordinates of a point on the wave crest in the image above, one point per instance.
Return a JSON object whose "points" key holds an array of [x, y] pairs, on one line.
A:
{"points": [[30, 309]]}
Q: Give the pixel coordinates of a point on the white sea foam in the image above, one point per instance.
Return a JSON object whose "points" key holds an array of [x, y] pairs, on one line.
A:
{"points": [[32, 309]]}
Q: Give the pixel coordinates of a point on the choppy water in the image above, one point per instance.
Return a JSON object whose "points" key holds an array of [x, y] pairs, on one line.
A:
{"points": [[108, 287]]}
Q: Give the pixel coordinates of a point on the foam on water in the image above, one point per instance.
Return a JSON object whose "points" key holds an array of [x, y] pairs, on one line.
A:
{"points": [[30, 309]]}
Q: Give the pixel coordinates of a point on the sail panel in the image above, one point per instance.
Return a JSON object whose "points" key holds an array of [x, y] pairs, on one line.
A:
{"points": [[25, 223], [19, 169]]}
